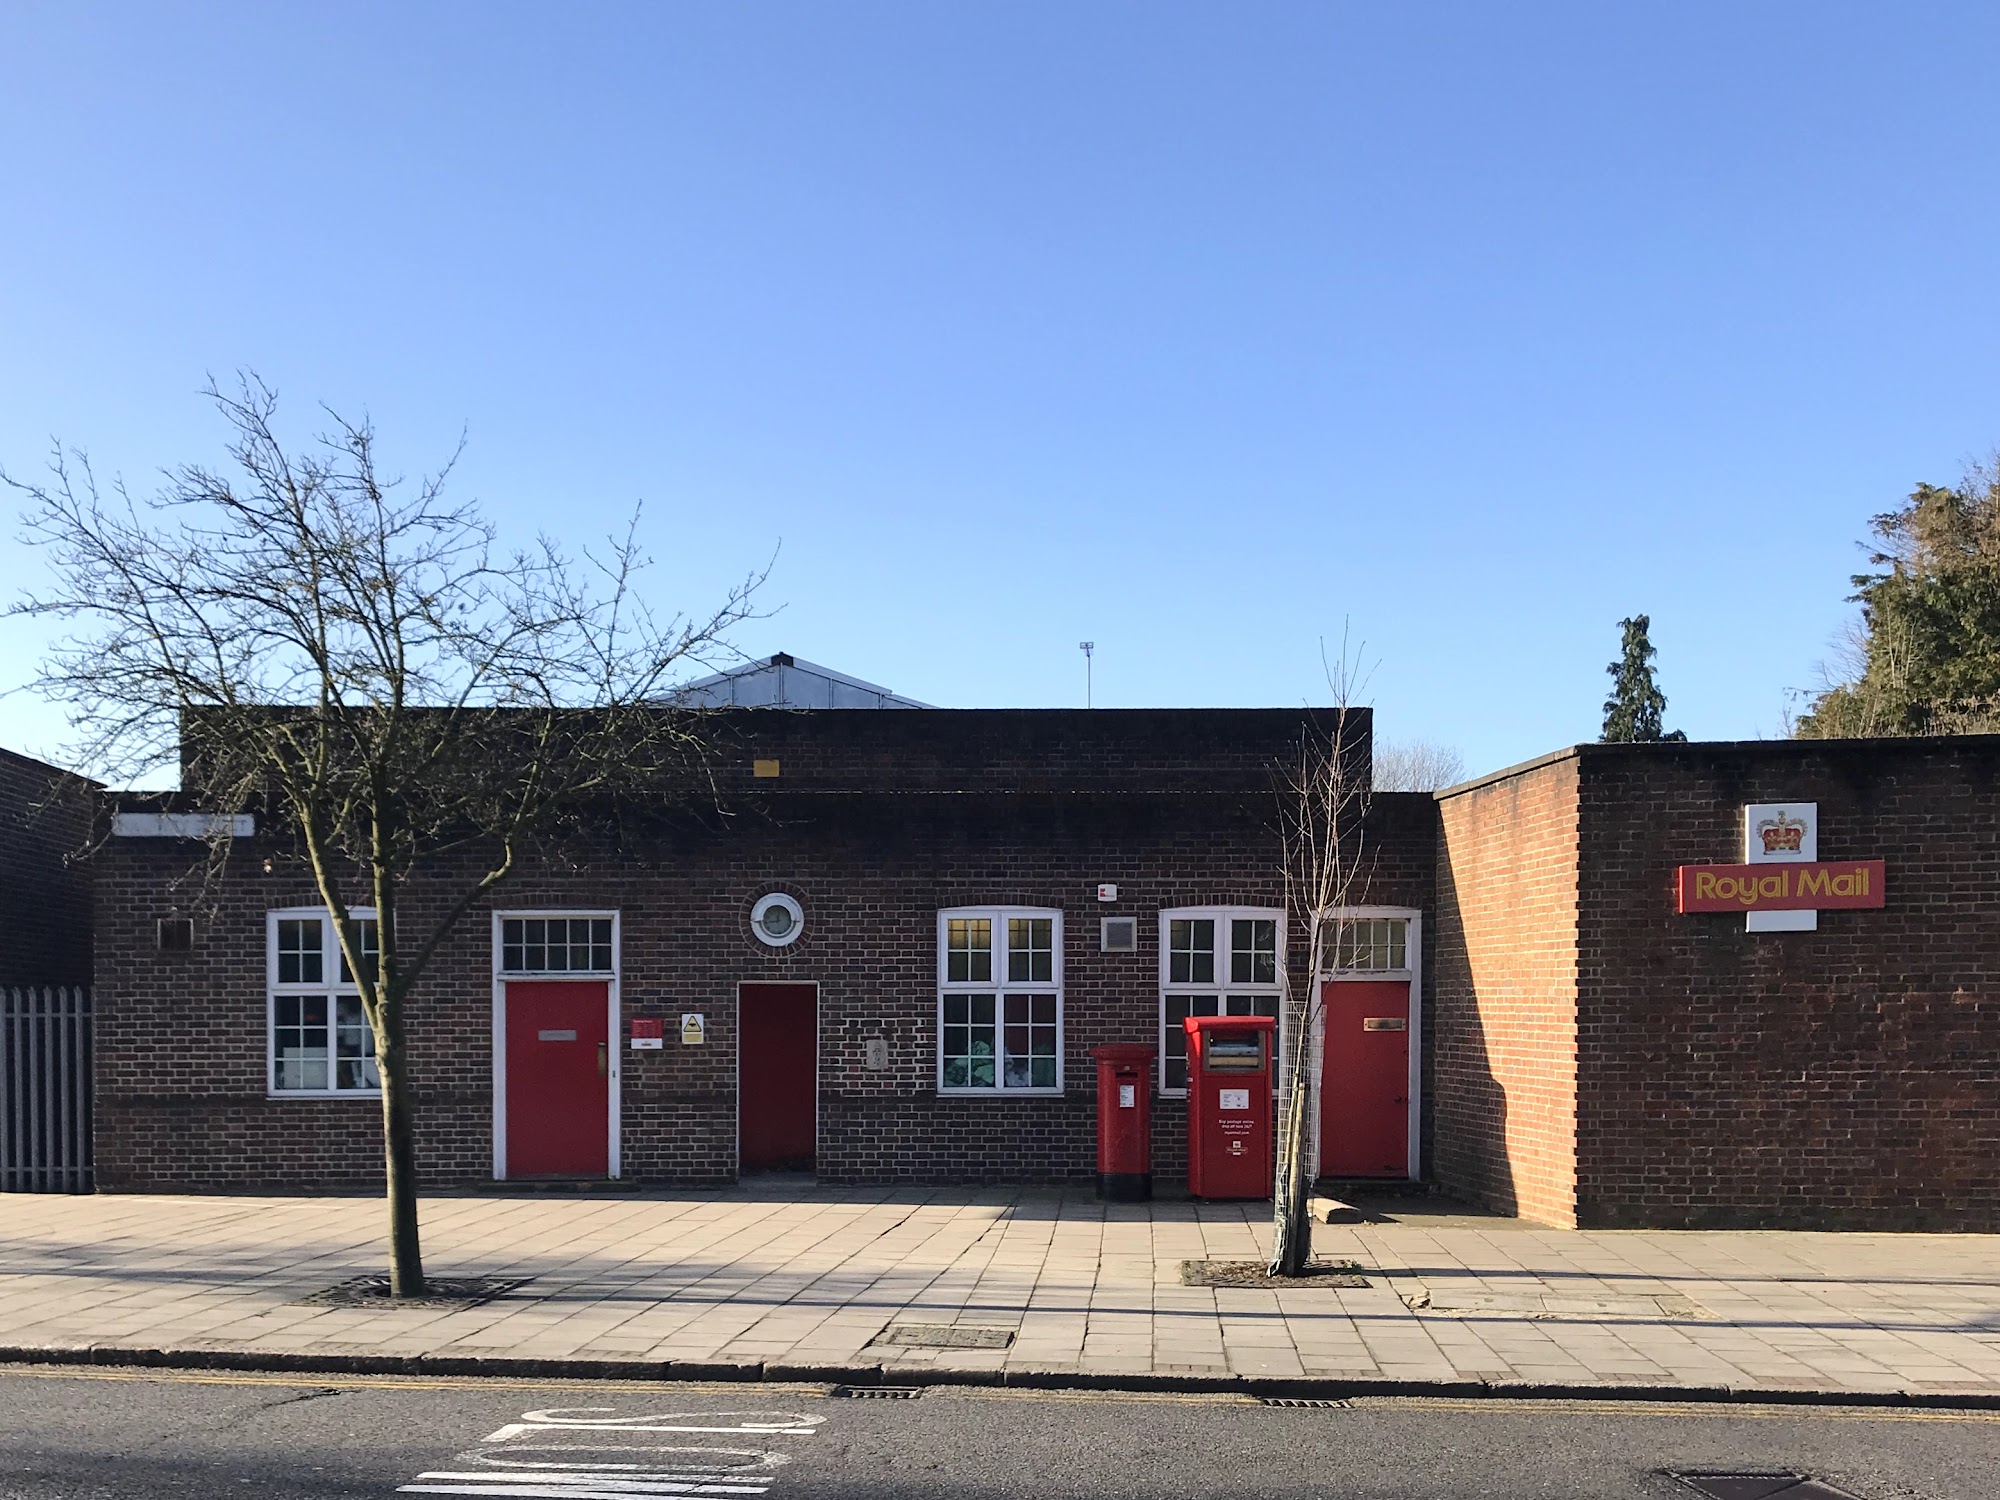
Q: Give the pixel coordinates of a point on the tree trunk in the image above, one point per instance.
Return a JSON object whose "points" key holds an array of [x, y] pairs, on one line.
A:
{"points": [[406, 1261], [1291, 1222]]}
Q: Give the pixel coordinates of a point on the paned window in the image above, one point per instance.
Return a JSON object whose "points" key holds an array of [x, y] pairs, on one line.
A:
{"points": [[1000, 1001], [1216, 962], [1371, 944], [320, 1040], [555, 945]]}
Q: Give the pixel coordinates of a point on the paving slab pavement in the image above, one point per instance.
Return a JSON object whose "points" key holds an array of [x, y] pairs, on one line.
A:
{"points": [[776, 1278]]}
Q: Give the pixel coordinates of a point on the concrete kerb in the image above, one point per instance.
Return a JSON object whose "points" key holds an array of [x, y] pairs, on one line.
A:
{"points": [[1276, 1387]]}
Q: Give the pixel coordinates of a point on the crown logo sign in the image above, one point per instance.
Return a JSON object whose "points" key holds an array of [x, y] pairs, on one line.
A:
{"points": [[1781, 835]]}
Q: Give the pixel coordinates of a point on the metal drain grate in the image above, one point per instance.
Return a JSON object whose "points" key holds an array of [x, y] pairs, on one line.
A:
{"points": [[440, 1291], [878, 1392], [1315, 1402], [945, 1336], [1764, 1485]]}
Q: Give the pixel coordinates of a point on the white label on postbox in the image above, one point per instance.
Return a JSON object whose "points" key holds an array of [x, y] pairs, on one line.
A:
{"points": [[1128, 1096], [1235, 1098]]}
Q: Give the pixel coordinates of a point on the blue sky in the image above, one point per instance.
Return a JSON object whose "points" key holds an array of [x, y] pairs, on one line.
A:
{"points": [[1198, 331]]}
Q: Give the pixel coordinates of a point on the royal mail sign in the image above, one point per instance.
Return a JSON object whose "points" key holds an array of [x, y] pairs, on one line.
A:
{"points": [[1782, 885], [1822, 885]]}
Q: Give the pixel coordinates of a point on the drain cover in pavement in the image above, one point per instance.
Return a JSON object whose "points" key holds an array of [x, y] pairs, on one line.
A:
{"points": [[877, 1392], [1765, 1486], [945, 1336], [439, 1291]]}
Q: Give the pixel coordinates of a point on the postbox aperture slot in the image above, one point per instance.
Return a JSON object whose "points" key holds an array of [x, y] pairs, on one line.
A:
{"points": [[1234, 1051]]}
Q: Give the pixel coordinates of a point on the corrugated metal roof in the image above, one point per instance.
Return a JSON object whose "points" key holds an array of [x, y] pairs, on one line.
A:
{"points": [[784, 681]]}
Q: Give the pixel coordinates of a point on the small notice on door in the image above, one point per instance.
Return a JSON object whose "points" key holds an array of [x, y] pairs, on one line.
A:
{"points": [[649, 1033], [1235, 1098], [694, 1028]]}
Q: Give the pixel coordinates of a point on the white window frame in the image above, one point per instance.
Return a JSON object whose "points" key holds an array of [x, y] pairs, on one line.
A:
{"points": [[1222, 916], [611, 979], [1000, 987], [329, 984], [1412, 973]]}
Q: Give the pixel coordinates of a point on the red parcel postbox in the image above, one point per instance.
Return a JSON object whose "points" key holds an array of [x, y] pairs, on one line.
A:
{"points": [[1124, 1121], [1229, 1105]]}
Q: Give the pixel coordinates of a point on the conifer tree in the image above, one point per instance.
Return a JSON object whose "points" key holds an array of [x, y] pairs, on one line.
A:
{"points": [[1636, 705], [1925, 656]]}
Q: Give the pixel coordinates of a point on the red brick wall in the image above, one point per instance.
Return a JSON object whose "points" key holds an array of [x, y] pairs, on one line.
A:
{"points": [[1844, 1078], [1504, 1039], [182, 1101], [45, 822]]}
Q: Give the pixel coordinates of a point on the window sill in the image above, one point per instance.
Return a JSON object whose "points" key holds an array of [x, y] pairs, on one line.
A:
{"points": [[1001, 1093], [280, 1094]]}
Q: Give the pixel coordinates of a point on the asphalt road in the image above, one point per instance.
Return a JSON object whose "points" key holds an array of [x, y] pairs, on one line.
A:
{"points": [[90, 1435]]}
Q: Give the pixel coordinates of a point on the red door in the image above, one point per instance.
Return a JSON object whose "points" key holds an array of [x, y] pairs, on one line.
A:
{"points": [[777, 1087], [1364, 1095], [558, 1079]]}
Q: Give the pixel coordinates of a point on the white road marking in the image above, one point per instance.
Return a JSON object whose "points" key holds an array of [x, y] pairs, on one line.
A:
{"points": [[735, 1460], [577, 1491], [568, 1419], [557, 1468], [567, 1475]]}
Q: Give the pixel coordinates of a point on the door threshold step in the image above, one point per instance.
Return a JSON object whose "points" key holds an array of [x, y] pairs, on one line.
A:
{"points": [[564, 1185]]}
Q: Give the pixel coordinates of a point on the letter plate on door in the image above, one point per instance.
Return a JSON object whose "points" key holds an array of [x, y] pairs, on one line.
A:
{"points": [[1386, 1023], [556, 1036]]}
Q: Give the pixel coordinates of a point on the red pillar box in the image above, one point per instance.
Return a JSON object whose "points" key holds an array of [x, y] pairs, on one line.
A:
{"points": [[1229, 1105], [1124, 1121]]}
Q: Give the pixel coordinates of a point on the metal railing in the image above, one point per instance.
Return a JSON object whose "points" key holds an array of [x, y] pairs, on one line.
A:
{"points": [[45, 1082]]}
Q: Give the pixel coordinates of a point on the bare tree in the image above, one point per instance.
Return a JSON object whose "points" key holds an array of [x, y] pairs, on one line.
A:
{"points": [[1323, 804], [1416, 766], [352, 656]]}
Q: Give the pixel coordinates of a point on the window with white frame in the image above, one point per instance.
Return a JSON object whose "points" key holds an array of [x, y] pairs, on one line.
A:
{"points": [[1369, 945], [1214, 961], [320, 1042], [555, 945], [1000, 1000]]}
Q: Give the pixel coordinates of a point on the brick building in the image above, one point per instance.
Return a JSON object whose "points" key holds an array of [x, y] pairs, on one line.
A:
{"points": [[1603, 1060], [45, 824], [891, 961]]}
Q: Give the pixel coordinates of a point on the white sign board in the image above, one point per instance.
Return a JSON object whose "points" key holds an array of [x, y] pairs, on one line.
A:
{"points": [[1780, 833], [1234, 1098]]}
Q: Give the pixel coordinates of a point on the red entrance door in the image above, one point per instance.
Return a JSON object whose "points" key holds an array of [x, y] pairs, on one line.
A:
{"points": [[777, 1081], [1364, 1094], [558, 1079]]}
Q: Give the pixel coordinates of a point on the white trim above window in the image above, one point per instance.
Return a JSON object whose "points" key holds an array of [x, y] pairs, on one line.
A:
{"points": [[1217, 961], [317, 1042], [1000, 1004]]}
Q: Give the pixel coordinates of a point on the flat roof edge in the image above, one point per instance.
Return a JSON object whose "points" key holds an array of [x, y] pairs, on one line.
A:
{"points": [[1507, 773], [1596, 749]]}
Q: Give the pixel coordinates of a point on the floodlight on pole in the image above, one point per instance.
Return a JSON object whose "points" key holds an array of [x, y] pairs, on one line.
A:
{"points": [[1087, 647]]}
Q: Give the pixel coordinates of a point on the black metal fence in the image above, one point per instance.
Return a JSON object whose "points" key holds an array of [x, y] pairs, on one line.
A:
{"points": [[45, 1060]]}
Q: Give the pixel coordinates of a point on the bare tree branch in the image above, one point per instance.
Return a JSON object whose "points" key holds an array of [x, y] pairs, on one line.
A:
{"points": [[347, 653]]}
